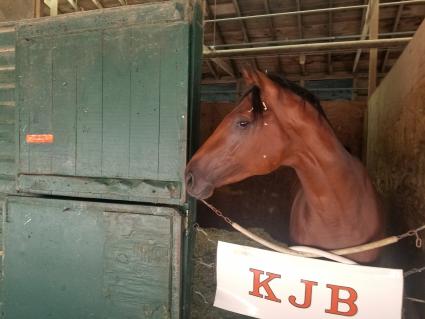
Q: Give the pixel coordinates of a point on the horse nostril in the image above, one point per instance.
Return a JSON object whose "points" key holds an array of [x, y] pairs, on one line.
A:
{"points": [[190, 180]]}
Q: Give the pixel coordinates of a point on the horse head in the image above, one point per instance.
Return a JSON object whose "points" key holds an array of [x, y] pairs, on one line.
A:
{"points": [[249, 141]]}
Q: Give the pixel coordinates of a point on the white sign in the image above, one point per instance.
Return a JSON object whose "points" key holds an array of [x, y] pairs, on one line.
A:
{"points": [[265, 284]]}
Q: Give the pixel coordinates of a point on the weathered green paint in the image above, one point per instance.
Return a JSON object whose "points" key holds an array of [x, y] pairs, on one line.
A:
{"points": [[7, 110], [7, 58], [76, 259], [146, 14], [113, 88], [108, 188], [194, 110]]}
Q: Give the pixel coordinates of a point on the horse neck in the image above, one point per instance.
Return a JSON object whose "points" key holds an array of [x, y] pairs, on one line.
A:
{"points": [[325, 169]]}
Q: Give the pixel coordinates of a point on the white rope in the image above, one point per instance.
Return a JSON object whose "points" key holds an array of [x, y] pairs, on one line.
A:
{"points": [[344, 251]]}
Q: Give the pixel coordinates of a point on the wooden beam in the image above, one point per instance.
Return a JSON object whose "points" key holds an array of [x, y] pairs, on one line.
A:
{"points": [[316, 11], [244, 29], [373, 53], [307, 48], [330, 33], [394, 29], [300, 36], [212, 70], [363, 34], [97, 4], [37, 8], [221, 39], [273, 33], [299, 20], [73, 4], [309, 77], [53, 6], [302, 64], [123, 2], [224, 65]]}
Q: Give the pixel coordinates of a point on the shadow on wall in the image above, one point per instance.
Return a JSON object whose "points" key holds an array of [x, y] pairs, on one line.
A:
{"points": [[265, 201]]}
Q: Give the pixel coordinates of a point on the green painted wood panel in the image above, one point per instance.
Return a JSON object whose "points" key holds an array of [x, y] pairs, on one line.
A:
{"points": [[88, 159], [75, 259], [7, 75], [116, 102], [7, 110], [114, 95], [145, 123], [7, 58]]}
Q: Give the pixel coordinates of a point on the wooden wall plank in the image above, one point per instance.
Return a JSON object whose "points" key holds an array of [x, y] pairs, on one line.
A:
{"points": [[40, 105], [396, 147], [25, 85], [64, 109], [174, 99], [145, 103], [7, 58], [89, 105], [116, 103]]}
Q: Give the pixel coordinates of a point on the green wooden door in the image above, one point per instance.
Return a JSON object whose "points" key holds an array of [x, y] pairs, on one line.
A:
{"points": [[74, 259], [111, 91]]}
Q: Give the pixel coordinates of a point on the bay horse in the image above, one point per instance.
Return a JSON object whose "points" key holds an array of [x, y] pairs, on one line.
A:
{"points": [[278, 123]]}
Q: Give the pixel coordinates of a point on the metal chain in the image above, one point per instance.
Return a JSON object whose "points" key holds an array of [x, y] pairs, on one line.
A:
{"points": [[414, 232], [218, 212], [414, 271], [410, 233]]}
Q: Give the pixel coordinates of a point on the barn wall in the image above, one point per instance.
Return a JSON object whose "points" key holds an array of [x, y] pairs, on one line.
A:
{"points": [[264, 201], [396, 145], [11, 10]]}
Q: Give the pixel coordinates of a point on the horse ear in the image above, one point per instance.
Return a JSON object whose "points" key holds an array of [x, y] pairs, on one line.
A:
{"points": [[262, 80], [250, 77]]}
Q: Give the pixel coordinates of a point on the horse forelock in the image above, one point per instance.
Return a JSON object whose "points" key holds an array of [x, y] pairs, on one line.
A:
{"points": [[256, 103]]}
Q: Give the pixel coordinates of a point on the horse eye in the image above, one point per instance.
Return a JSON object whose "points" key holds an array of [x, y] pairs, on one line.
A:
{"points": [[243, 124]]}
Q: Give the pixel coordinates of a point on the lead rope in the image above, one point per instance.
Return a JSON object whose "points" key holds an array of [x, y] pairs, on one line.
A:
{"points": [[310, 252]]}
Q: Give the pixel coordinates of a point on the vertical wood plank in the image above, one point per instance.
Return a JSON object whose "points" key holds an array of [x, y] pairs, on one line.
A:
{"points": [[145, 90], [22, 128], [116, 103], [373, 53], [64, 105], [89, 105], [174, 100], [40, 105]]}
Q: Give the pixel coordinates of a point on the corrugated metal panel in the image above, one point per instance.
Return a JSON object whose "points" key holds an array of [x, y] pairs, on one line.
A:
{"points": [[7, 108]]}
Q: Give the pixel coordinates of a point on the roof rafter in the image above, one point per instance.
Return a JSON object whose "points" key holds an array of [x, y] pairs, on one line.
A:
{"points": [[330, 33], [302, 57], [73, 4], [244, 29], [394, 29], [221, 62], [273, 33], [365, 28], [97, 4]]}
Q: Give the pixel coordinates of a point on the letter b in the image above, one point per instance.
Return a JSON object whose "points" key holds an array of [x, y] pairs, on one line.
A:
{"points": [[336, 300]]}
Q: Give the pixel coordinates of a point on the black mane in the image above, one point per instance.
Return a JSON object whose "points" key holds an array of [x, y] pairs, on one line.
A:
{"points": [[302, 92]]}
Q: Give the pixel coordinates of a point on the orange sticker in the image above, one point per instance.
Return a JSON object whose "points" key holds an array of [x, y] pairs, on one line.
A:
{"points": [[39, 138]]}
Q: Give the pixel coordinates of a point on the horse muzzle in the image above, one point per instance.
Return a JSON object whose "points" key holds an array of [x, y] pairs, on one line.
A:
{"points": [[196, 186]]}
